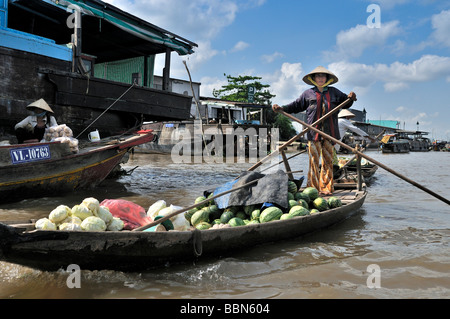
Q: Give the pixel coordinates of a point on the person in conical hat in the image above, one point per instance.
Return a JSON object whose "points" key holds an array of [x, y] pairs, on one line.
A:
{"points": [[318, 101], [32, 128], [346, 125]]}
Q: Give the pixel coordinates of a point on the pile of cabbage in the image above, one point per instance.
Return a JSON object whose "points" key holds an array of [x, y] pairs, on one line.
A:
{"points": [[160, 208], [87, 216]]}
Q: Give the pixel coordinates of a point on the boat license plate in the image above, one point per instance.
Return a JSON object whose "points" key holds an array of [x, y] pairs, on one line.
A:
{"points": [[30, 154]]}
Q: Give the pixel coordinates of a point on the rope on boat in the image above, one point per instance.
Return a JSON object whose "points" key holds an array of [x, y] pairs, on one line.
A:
{"points": [[132, 85], [197, 242]]}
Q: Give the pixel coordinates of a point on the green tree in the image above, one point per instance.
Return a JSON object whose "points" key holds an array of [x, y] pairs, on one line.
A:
{"points": [[285, 127], [237, 90]]}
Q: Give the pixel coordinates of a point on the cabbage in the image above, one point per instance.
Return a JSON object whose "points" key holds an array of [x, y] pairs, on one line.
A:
{"points": [[76, 220], [155, 208], [104, 214], [167, 211], [71, 220], [81, 211], [115, 225], [59, 214], [180, 223], [70, 226], [45, 224], [93, 223], [92, 204]]}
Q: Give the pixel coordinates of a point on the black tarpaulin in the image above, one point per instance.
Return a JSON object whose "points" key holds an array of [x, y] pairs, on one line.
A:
{"points": [[269, 189]]}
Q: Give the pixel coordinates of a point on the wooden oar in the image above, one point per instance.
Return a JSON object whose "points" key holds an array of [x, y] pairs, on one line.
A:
{"points": [[292, 140], [366, 157], [297, 154]]}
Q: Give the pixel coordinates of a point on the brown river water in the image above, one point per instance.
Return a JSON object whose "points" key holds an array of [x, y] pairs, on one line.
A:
{"points": [[401, 230]]}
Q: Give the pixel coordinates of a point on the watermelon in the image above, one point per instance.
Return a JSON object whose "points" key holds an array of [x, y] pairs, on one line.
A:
{"points": [[216, 221], [292, 203], [255, 214], [200, 199], [334, 202], [189, 214], [303, 203], [248, 209], [233, 209], [269, 214], [214, 212], [253, 221], [291, 196], [301, 195], [320, 204], [200, 216], [292, 187], [314, 211], [203, 226], [211, 202], [236, 221], [286, 216], [312, 192], [226, 216], [298, 211], [241, 215]]}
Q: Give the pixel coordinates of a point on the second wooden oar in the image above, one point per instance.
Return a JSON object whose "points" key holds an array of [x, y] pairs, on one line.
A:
{"points": [[366, 157]]}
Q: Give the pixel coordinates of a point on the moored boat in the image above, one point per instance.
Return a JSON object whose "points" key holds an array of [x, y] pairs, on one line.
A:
{"points": [[20, 243], [46, 169], [394, 143]]}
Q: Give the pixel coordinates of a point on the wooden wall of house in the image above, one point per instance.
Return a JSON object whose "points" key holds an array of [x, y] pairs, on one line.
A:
{"points": [[21, 83]]}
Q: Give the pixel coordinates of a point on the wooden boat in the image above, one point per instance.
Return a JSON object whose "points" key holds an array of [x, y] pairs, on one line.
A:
{"points": [[45, 169], [367, 171], [395, 143], [48, 250]]}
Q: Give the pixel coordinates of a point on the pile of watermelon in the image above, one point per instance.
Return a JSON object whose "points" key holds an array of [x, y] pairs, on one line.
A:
{"points": [[301, 203]]}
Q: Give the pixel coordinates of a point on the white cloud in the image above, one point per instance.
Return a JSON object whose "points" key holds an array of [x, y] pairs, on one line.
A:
{"points": [[287, 83], [272, 57], [353, 42], [208, 84], [240, 46], [194, 20], [441, 25], [395, 76]]}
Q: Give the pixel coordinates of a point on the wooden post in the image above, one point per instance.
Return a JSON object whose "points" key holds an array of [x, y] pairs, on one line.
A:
{"points": [[76, 50], [166, 71], [286, 164], [358, 168]]}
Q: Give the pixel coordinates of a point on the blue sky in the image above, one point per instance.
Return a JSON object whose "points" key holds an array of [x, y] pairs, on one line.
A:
{"points": [[399, 70]]}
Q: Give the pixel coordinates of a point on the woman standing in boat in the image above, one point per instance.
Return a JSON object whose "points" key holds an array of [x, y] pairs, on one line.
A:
{"points": [[317, 101], [32, 128]]}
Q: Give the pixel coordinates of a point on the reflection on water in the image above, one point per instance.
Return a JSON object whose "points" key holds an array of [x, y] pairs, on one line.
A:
{"points": [[400, 228]]}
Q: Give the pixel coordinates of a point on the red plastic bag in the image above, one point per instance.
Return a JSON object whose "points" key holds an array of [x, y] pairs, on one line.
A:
{"points": [[131, 214]]}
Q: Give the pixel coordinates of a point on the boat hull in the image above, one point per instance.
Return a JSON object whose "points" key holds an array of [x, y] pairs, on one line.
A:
{"points": [[133, 251], [62, 172]]}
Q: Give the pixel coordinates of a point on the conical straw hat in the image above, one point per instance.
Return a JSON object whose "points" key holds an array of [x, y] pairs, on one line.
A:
{"points": [[41, 104], [346, 113], [320, 69]]}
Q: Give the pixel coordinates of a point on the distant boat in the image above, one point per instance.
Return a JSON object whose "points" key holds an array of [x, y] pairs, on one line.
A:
{"points": [[394, 143]]}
